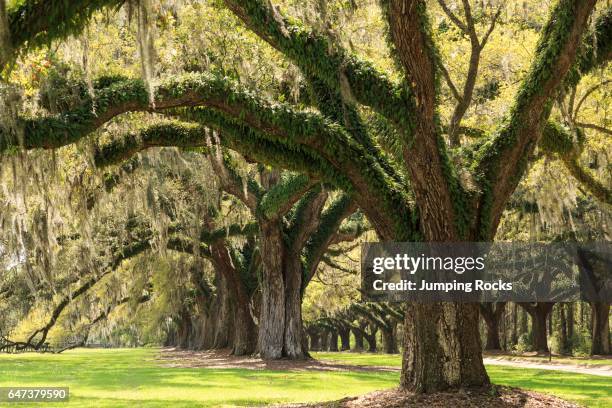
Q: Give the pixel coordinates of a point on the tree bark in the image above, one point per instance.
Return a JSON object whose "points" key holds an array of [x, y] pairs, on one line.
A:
{"points": [[224, 325], [564, 338], [539, 313], [570, 321], [600, 317], [389, 339], [183, 330], [333, 341], [324, 340], [371, 339], [345, 339], [514, 335], [293, 341], [280, 326], [492, 315], [315, 342], [272, 314], [448, 331], [358, 340], [244, 332]]}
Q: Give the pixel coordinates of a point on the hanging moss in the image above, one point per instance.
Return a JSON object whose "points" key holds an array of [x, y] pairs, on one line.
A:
{"points": [[36, 23]]}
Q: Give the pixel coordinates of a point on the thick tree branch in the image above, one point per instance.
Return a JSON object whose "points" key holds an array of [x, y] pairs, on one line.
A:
{"points": [[502, 160], [594, 127], [277, 201], [557, 140], [330, 222], [306, 219], [316, 56], [34, 23]]}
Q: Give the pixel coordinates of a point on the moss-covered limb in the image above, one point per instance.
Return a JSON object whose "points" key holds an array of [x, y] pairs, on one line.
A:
{"points": [[277, 201], [501, 161], [34, 23], [330, 221], [305, 219], [339, 107], [559, 141], [6, 48], [587, 180], [412, 43], [164, 133], [356, 224], [256, 146], [120, 96], [596, 48], [594, 127], [249, 229], [244, 188], [467, 131], [343, 165], [371, 313], [316, 56]]}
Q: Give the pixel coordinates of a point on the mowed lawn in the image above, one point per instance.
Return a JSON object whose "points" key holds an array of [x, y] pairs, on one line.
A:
{"points": [[588, 390], [132, 377]]}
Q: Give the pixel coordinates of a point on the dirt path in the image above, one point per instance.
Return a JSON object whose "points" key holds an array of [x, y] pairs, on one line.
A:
{"points": [[604, 370]]}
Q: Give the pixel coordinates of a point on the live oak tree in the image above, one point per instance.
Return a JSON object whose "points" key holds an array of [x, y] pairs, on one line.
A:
{"points": [[430, 194]]}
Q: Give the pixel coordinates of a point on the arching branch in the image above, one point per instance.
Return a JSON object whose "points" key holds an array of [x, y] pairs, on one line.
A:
{"points": [[330, 222], [316, 56]]}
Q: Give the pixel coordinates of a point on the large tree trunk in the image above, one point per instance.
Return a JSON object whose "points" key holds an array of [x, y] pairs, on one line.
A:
{"points": [[492, 316], [293, 341], [272, 315], [570, 322], [371, 339], [183, 330], [358, 339], [345, 339], [324, 340], [539, 312], [600, 313], [389, 340], [315, 341], [245, 333], [223, 327], [442, 347], [514, 335], [333, 340], [280, 326], [566, 347]]}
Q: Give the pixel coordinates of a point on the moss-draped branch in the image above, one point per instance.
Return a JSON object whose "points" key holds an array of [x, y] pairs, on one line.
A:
{"points": [[317, 56], [559, 141], [34, 23], [501, 160]]}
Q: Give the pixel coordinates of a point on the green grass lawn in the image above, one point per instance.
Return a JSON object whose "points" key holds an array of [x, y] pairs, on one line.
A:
{"points": [[589, 390], [131, 377], [585, 361]]}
